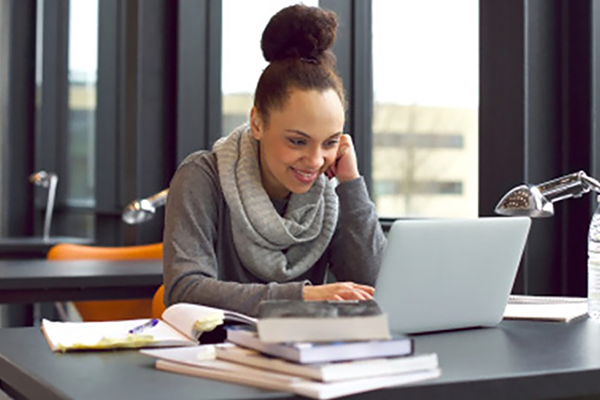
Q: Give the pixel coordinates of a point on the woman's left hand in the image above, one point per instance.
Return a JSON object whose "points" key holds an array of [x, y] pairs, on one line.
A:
{"points": [[345, 167]]}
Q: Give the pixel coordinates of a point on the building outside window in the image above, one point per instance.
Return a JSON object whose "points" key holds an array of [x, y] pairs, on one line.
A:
{"points": [[83, 72], [425, 124], [81, 123]]}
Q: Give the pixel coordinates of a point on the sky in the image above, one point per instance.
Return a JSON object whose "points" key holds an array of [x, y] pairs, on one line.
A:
{"points": [[83, 37], [424, 51]]}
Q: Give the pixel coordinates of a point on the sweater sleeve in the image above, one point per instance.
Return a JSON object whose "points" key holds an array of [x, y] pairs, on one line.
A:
{"points": [[190, 240], [357, 245]]}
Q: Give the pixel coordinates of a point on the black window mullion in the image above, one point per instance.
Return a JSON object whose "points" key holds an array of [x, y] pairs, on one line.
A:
{"points": [[576, 140], [595, 88], [198, 76], [51, 134], [17, 62], [535, 125], [156, 102], [214, 121], [109, 116], [353, 49]]}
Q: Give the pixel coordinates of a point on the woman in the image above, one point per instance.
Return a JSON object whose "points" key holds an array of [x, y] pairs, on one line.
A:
{"points": [[259, 217]]}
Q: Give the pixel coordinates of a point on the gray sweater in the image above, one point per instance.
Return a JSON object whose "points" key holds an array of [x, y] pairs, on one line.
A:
{"points": [[200, 260]]}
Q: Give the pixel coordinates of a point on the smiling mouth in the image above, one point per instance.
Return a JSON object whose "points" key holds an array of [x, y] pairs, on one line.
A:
{"points": [[303, 176]]}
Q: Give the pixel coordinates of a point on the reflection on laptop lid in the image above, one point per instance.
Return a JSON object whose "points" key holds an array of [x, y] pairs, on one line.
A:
{"points": [[440, 274]]}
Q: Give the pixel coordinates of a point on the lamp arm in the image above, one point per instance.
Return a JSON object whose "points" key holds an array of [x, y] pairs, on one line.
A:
{"points": [[53, 181], [159, 199], [591, 182], [572, 185]]}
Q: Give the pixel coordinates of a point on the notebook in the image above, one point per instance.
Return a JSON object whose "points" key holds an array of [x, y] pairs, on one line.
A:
{"points": [[441, 274]]}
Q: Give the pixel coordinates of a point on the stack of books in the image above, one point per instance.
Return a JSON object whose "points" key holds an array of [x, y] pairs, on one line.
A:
{"points": [[319, 350], [316, 349]]}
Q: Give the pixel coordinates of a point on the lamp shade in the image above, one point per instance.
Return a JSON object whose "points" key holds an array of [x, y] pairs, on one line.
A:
{"points": [[143, 210], [525, 200]]}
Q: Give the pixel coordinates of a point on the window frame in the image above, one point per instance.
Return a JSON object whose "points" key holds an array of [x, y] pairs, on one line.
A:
{"points": [[538, 65]]}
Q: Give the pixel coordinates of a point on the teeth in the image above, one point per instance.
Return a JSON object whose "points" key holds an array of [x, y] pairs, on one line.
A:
{"points": [[306, 174]]}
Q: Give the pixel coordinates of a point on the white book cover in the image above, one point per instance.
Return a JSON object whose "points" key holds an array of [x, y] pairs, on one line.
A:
{"points": [[328, 372], [197, 361]]}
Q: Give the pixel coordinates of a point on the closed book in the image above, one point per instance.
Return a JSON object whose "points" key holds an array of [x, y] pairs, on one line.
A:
{"points": [[328, 372], [320, 352], [193, 361], [325, 321]]}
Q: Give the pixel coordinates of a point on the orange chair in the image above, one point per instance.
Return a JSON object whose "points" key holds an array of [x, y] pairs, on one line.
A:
{"points": [[158, 304], [109, 309]]}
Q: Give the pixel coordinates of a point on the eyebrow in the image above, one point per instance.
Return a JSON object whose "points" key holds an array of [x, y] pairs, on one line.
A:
{"points": [[306, 135]]}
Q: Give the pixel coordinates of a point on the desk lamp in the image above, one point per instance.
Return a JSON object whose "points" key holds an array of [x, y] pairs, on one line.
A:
{"points": [[143, 210], [46, 180], [537, 201]]}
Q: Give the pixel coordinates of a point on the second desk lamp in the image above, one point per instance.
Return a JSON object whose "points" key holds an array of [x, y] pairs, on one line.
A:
{"points": [[46, 180], [143, 210]]}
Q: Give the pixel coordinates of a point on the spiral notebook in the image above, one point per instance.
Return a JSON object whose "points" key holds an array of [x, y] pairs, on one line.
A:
{"points": [[545, 308]]}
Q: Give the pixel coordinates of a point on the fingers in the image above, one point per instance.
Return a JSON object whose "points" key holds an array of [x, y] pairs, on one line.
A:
{"points": [[346, 165], [330, 173], [354, 295], [353, 291], [342, 291], [364, 288]]}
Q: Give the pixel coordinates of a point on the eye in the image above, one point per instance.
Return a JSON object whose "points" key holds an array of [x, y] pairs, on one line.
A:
{"points": [[331, 143], [296, 142]]}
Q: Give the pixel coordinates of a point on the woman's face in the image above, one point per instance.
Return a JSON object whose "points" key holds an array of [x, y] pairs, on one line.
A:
{"points": [[299, 142]]}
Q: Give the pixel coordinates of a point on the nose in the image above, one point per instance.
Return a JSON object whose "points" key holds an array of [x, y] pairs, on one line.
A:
{"points": [[314, 158]]}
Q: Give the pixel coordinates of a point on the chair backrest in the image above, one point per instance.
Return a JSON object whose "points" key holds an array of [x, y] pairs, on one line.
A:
{"points": [[68, 251], [109, 309], [158, 303]]}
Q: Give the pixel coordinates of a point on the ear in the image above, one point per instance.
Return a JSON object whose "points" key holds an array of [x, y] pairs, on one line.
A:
{"points": [[256, 124]]}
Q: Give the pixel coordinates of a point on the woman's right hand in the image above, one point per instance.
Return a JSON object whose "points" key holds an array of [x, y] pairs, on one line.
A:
{"points": [[338, 292]]}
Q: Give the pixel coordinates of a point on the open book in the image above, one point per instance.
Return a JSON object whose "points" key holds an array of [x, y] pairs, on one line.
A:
{"points": [[180, 325]]}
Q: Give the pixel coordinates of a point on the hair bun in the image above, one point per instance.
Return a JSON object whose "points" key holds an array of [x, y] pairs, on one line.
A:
{"points": [[299, 31]]}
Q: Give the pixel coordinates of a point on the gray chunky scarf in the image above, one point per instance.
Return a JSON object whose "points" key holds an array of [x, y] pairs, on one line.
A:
{"points": [[272, 247]]}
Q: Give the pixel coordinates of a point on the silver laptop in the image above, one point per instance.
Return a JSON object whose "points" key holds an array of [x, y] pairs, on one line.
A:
{"points": [[440, 274]]}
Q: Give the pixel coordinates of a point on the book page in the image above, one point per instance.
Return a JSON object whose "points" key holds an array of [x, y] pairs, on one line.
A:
{"points": [[63, 336], [193, 319]]}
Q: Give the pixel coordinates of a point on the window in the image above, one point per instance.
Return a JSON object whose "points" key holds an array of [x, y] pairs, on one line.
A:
{"points": [[243, 24], [425, 91], [81, 126]]}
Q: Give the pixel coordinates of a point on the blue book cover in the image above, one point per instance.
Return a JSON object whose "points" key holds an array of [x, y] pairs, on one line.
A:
{"points": [[321, 352]]}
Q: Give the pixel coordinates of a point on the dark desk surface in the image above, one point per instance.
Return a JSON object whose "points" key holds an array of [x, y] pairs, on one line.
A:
{"points": [[517, 360], [30, 281]]}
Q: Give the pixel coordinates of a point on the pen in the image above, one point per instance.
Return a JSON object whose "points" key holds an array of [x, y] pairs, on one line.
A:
{"points": [[144, 326]]}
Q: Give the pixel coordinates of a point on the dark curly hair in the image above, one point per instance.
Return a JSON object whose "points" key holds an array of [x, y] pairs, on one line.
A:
{"points": [[297, 43]]}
